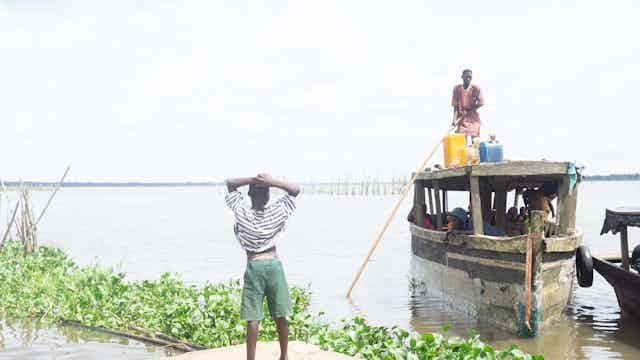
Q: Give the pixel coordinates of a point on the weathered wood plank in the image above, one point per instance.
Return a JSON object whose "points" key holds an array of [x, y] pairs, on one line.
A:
{"points": [[505, 168], [513, 244], [499, 244], [445, 202], [624, 247], [571, 206], [501, 204], [562, 214], [419, 205], [486, 197], [436, 190], [431, 235], [431, 209], [520, 168], [563, 243], [476, 205], [445, 173]]}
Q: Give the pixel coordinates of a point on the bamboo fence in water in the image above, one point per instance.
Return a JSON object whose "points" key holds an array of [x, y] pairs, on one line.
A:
{"points": [[348, 187]]}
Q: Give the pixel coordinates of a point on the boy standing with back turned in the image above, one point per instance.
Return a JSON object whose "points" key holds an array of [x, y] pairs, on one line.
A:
{"points": [[257, 228]]}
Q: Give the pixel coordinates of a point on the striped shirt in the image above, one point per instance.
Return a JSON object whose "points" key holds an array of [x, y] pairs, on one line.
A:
{"points": [[258, 230]]}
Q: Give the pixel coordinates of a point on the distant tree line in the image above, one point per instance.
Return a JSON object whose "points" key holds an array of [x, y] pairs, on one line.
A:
{"points": [[110, 184], [612, 177]]}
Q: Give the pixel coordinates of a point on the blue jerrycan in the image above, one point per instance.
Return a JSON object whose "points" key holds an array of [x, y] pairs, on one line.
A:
{"points": [[491, 151]]}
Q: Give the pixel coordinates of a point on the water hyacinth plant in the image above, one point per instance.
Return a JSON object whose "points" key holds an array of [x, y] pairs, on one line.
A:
{"points": [[47, 285]]}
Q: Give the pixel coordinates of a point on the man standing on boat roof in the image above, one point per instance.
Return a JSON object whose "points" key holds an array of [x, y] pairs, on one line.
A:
{"points": [[466, 100]]}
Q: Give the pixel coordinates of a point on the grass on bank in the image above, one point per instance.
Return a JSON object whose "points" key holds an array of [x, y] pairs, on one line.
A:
{"points": [[48, 285]]}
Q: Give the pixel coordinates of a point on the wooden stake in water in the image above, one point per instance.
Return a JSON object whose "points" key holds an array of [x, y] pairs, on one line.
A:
{"points": [[55, 191], [403, 194]]}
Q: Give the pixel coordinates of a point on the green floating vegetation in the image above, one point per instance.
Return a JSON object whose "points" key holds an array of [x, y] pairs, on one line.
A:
{"points": [[49, 286]]}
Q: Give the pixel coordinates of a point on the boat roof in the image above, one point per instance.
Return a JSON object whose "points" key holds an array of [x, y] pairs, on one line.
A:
{"points": [[625, 210], [620, 217], [521, 173]]}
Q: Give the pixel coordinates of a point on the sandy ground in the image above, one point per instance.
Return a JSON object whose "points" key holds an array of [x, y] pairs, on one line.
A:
{"points": [[266, 351]]}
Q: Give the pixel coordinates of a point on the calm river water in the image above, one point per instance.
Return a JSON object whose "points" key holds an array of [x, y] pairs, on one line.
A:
{"points": [[147, 231]]}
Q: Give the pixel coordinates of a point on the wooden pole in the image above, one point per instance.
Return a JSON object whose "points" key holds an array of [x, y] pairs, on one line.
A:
{"points": [[52, 195], [419, 204], [403, 194], [536, 234], [624, 247], [445, 201], [562, 212], [144, 339], [13, 217], [501, 204], [476, 206], [438, 213]]}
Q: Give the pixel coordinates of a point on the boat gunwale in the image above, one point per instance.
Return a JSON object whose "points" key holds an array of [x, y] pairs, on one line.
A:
{"points": [[505, 244]]}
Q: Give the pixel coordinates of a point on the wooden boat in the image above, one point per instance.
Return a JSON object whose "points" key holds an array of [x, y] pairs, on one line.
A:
{"points": [[485, 276], [624, 280]]}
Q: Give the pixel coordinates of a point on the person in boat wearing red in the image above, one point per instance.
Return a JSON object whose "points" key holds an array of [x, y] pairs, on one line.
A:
{"points": [[466, 101], [426, 221]]}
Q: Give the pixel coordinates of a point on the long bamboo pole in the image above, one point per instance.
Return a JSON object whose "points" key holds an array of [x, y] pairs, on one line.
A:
{"points": [[51, 197], [142, 338], [403, 194]]}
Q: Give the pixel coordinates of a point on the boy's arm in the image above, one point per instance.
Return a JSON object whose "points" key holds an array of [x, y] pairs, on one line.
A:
{"points": [[234, 184], [266, 179]]}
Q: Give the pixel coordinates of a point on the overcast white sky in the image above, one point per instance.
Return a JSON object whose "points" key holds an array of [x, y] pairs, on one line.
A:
{"points": [[203, 90]]}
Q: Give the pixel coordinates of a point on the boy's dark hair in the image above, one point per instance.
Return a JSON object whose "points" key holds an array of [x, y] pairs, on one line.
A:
{"points": [[256, 189]]}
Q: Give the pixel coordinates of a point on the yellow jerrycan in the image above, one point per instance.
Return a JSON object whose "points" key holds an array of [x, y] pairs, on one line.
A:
{"points": [[454, 150]]}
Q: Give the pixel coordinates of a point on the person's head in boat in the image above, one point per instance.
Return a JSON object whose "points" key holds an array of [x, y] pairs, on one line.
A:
{"points": [[259, 195], [467, 75], [457, 219], [550, 190], [512, 214], [540, 198]]}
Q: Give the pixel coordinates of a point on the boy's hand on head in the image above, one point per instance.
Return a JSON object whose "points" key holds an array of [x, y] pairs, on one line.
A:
{"points": [[264, 179]]}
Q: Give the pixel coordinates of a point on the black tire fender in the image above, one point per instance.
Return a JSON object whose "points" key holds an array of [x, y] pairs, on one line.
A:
{"points": [[584, 266]]}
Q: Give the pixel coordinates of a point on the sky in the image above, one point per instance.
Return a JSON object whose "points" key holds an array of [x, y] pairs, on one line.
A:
{"points": [[310, 90]]}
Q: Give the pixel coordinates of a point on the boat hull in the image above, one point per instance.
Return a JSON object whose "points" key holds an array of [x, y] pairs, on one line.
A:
{"points": [[625, 283], [484, 277]]}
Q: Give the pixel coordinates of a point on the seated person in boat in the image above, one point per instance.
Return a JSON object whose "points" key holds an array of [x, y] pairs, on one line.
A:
{"points": [[540, 199], [514, 223], [426, 221], [458, 219]]}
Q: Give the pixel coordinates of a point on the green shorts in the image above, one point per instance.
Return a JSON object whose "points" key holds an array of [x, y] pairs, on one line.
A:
{"points": [[264, 278]]}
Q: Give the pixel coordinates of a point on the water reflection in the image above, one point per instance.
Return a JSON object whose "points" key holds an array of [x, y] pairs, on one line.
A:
{"points": [[592, 326], [34, 339]]}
